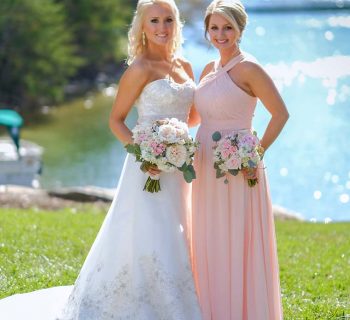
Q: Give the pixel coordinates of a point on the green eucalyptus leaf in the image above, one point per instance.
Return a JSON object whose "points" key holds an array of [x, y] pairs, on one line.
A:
{"points": [[216, 136], [130, 148], [191, 168], [233, 172], [184, 167], [219, 174], [188, 175]]}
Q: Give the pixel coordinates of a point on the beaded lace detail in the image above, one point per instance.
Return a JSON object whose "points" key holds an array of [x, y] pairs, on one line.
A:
{"points": [[160, 292], [165, 98]]}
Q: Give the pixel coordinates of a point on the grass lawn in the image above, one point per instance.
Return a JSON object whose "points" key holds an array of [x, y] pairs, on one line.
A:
{"points": [[40, 249]]}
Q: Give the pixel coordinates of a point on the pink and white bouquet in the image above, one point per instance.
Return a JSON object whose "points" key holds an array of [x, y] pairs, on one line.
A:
{"points": [[235, 152], [165, 144]]}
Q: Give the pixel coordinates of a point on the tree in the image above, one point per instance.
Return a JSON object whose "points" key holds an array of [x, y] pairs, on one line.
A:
{"points": [[37, 55], [100, 29]]}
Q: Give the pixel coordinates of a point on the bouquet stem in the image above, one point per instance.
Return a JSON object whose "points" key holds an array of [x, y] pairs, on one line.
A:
{"points": [[152, 185], [252, 182]]}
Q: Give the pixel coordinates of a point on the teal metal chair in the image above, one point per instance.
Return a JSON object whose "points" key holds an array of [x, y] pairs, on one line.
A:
{"points": [[13, 122]]}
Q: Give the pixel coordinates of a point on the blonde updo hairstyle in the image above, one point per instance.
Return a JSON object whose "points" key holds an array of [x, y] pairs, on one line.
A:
{"points": [[137, 44], [232, 10]]}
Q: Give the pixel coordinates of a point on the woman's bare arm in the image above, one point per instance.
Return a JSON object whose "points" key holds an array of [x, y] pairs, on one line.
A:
{"points": [[264, 89], [130, 87]]}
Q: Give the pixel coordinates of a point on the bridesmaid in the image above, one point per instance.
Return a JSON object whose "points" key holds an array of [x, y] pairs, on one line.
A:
{"points": [[233, 237]]}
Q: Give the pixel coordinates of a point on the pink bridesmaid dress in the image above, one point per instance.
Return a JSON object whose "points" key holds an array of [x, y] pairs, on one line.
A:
{"points": [[233, 235]]}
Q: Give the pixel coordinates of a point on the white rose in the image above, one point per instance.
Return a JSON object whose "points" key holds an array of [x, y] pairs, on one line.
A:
{"points": [[242, 152], [192, 149], [223, 167], [166, 168], [176, 155], [145, 154], [167, 133], [174, 121]]}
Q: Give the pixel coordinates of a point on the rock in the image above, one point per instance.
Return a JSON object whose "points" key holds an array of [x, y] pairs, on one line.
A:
{"points": [[84, 194], [281, 213], [28, 198]]}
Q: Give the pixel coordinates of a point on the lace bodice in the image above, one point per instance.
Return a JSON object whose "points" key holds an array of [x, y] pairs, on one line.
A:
{"points": [[164, 98]]}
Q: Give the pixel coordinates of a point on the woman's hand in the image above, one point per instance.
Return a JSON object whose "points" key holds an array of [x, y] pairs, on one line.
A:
{"points": [[150, 168], [153, 170]]}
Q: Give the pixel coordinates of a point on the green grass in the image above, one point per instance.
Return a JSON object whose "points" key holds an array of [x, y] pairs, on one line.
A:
{"points": [[315, 269], [41, 249]]}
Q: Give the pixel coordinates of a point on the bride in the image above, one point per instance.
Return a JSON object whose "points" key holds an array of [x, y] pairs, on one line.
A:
{"points": [[138, 267]]}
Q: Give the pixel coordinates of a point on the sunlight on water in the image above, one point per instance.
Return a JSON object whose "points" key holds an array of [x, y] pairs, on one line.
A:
{"points": [[329, 70], [308, 56]]}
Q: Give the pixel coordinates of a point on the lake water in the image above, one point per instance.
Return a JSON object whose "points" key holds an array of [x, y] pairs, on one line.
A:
{"points": [[308, 56]]}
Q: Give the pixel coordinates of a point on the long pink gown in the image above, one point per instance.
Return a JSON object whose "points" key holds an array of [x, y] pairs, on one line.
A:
{"points": [[233, 236]]}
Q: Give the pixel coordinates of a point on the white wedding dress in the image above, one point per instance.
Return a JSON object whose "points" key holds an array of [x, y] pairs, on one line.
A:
{"points": [[138, 267]]}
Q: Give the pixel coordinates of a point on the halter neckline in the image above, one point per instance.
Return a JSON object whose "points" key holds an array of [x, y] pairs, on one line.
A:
{"points": [[230, 64], [220, 70]]}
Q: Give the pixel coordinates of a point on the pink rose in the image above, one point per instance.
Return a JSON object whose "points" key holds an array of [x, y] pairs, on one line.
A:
{"points": [[234, 163]]}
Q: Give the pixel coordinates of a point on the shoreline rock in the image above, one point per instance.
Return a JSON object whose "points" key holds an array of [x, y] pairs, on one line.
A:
{"points": [[83, 194], [20, 197], [12, 196]]}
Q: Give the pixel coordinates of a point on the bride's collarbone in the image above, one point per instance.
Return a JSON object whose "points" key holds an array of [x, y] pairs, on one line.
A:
{"points": [[176, 77], [177, 74]]}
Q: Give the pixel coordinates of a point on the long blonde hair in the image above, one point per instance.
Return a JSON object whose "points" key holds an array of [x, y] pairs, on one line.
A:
{"points": [[136, 44], [232, 10]]}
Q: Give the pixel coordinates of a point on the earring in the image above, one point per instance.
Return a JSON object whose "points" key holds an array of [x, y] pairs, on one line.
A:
{"points": [[143, 39]]}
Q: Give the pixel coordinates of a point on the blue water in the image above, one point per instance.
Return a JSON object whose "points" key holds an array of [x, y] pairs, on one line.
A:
{"points": [[308, 56]]}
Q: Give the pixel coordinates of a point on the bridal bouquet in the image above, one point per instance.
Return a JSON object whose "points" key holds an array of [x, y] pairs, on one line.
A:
{"points": [[165, 144], [236, 151]]}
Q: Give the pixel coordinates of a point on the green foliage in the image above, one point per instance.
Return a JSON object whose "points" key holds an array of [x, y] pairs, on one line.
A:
{"points": [[216, 136], [46, 43], [36, 52], [234, 172], [219, 173], [135, 149], [188, 172], [100, 30]]}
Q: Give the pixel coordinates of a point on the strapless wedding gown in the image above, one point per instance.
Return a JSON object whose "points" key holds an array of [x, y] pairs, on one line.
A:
{"points": [[138, 267]]}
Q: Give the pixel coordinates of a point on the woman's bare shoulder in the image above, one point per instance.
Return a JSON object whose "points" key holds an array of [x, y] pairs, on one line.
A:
{"points": [[249, 67], [186, 65], [138, 72], [251, 72], [184, 62], [207, 69]]}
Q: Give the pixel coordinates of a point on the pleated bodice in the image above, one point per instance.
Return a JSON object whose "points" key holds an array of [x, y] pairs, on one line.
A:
{"points": [[221, 103]]}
